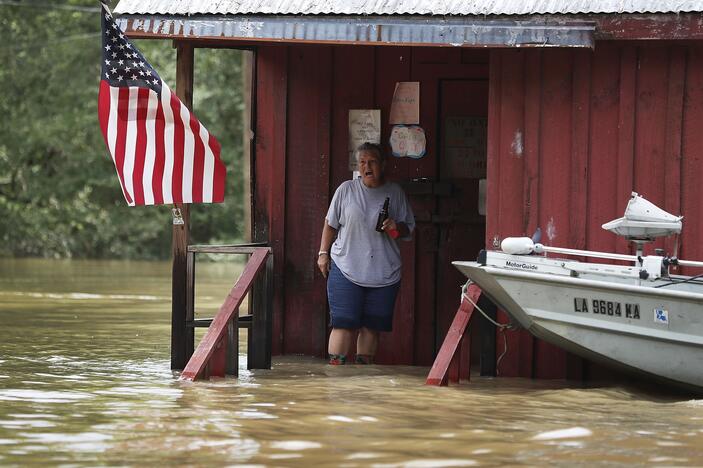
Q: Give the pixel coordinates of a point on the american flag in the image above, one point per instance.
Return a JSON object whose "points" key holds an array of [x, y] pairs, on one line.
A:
{"points": [[162, 153]]}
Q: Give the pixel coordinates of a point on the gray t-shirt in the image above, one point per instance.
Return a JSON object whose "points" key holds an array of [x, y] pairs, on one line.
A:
{"points": [[365, 256]]}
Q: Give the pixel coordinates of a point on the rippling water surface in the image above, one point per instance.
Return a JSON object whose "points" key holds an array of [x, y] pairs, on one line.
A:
{"points": [[85, 379]]}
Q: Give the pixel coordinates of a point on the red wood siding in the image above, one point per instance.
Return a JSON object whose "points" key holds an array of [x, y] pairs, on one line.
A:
{"points": [[307, 196], [304, 93], [692, 155], [571, 134], [595, 126]]}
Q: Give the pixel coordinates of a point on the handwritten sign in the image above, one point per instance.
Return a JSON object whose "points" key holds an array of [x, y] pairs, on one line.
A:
{"points": [[408, 140], [465, 147], [405, 107], [364, 126]]}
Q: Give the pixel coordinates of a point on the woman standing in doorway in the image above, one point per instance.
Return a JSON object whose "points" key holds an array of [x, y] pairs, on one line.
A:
{"points": [[362, 264]]}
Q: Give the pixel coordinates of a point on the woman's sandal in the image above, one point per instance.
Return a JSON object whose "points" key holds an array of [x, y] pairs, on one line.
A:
{"points": [[364, 359], [337, 359]]}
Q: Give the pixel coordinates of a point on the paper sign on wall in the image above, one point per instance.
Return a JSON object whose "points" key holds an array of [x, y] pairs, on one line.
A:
{"points": [[405, 107], [408, 140], [364, 126], [465, 147]]}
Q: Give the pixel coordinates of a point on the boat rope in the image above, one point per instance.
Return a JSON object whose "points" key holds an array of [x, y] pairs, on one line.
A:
{"points": [[464, 288], [501, 326]]}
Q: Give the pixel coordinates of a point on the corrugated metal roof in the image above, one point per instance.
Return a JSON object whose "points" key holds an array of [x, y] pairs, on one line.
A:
{"points": [[457, 32], [404, 7]]}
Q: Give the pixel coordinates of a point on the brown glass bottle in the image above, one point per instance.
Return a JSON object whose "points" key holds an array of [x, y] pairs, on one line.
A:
{"points": [[382, 215]]}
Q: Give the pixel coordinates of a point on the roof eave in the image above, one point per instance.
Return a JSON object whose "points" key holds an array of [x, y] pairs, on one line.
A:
{"points": [[379, 30]]}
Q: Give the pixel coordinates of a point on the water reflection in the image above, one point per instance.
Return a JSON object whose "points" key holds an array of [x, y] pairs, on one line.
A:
{"points": [[85, 379]]}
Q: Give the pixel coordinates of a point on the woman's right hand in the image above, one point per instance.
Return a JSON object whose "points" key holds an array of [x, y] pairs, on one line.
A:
{"points": [[323, 263]]}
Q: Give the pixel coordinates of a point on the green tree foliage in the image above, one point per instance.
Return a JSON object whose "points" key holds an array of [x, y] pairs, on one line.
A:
{"points": [[59, 194]]}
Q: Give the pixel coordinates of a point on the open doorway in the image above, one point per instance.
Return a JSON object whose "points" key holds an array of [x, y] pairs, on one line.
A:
{"points": [[460, 219]]}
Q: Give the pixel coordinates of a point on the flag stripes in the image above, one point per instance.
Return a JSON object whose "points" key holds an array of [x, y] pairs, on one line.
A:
{"points": [[162, 153]]}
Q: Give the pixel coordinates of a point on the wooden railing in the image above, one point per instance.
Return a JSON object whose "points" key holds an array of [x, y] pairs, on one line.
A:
{"points": [[217, 354]]}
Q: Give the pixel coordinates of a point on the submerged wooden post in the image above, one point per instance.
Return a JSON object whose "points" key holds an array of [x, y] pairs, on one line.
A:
{"points": [[181, 335], [260, 333], [488, 338], [232, 346]]}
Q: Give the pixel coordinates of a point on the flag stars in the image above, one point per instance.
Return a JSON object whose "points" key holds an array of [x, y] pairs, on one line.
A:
{"points": [[107, 62], [141, 64], [134, 77], [120, 62], [120, 78], [114, 55], [114, 70], [113, 39], [107, 47], [121, 46]]}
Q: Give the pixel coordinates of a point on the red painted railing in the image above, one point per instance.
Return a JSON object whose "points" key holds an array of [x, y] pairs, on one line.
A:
{"points": [[454, 358], [209, 359]]}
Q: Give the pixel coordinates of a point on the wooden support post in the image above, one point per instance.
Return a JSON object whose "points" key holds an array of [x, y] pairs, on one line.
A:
{"points": [[465, 357], [180, 333], [247, 137], [448, 354], [453, 371], [232, 348], [260, 333], [190, 304], [487, 357]]}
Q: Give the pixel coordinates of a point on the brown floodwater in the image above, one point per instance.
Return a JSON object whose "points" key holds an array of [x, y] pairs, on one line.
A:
{"points": [[85, 380]]}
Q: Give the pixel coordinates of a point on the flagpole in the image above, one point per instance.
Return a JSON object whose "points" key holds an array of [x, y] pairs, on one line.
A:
{"points": [[182, 337]]}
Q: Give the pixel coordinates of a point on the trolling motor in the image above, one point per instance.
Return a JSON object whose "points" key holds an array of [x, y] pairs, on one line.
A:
{"points": [[642, 223]]}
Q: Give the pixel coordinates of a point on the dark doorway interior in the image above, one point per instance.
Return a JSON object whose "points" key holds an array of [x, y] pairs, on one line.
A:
{"points": [[461, 224]]}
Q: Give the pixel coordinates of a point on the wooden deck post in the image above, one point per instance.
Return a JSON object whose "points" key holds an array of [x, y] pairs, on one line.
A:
{"points": [[260, 333], [488, 338], [182, 337]]}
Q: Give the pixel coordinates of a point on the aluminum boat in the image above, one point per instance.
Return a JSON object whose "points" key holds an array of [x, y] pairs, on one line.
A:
{"points": [[635, 316]]}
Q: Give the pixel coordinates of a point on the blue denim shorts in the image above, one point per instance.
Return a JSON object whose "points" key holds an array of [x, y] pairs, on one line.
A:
{"points": [[353, 306]]}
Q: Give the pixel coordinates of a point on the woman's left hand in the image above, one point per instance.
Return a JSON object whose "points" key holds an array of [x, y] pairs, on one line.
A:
{"points": [[390, 227], [389, 224]]}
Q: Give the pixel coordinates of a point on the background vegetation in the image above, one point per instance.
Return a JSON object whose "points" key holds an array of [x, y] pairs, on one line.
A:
{"points": [[59, 194]]}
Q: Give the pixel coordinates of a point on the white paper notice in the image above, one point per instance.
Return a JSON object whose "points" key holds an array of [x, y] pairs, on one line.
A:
{"points": [[364, 126], [408, 140]]}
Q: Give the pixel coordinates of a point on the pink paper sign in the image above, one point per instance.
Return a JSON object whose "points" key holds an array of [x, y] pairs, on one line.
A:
{"points": [[405, 107]]}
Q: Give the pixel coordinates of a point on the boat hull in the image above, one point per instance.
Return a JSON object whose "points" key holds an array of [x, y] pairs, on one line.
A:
{"points": [[651, 331]]}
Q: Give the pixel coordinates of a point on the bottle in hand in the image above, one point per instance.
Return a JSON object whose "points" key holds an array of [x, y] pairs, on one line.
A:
{"points": [[382, 215]]}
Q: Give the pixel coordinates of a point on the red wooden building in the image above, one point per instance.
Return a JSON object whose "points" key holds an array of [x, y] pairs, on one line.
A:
{"points": [[565, 108]]}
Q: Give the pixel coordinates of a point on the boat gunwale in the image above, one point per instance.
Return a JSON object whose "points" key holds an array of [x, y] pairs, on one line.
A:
{"points": [[645, 290]]}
